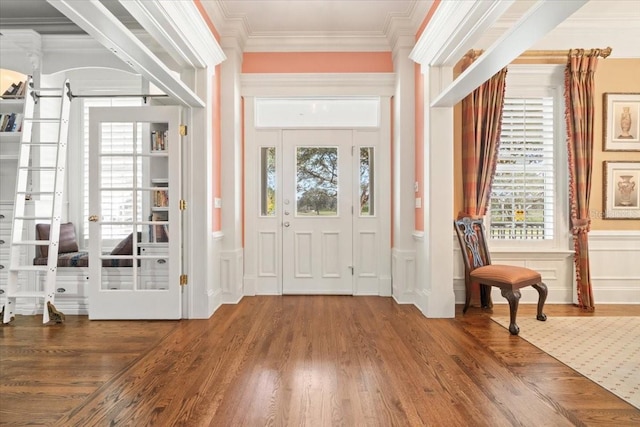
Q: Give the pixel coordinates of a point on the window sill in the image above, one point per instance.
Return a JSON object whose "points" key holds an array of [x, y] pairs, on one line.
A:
{"points": [[521, 253]]}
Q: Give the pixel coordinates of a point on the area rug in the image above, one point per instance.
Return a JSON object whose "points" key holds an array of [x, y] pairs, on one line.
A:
{"points": [[604, 349]]}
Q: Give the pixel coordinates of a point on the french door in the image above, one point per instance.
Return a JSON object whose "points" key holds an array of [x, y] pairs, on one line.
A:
{"points": [[135, 258], [317, 212]]}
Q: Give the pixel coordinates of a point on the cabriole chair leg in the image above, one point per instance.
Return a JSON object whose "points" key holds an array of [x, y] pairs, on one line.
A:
{"points": [[513, 296]]}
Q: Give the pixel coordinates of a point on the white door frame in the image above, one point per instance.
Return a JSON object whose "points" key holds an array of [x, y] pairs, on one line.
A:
{"points": [[152, 301], [371, 235]]}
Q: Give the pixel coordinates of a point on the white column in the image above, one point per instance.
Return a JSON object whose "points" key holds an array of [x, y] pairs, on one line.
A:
{"points": [[231, 256], [202, 296], [435, 294], [403, 252]]}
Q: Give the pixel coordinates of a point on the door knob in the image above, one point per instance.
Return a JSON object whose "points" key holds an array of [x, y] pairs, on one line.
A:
{"points": [[286, 224], [93, 218]]}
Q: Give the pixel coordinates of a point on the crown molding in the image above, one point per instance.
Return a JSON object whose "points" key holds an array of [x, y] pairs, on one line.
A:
{"points": [[396, 29], [227, 25], [401, 30], [455, 28], [180, 29]]}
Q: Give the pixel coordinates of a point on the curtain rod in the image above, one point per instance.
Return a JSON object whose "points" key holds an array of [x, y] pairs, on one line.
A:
{"points": [[549, 54], [35, 95], [133, 95]]}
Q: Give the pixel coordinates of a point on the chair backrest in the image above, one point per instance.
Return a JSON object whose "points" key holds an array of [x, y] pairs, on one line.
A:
{"points": [[471, 236]]}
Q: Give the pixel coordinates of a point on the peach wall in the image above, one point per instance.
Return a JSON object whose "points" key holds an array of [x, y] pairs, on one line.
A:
{"points": [[427, 18], [205, 16], [612, 75], [317, 62], [216, 138]]}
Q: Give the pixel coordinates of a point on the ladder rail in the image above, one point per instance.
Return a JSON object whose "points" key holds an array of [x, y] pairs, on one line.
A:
{"points": [[21, 197]]}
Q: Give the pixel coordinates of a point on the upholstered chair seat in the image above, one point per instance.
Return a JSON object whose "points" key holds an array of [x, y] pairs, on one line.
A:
{"points": [[496, 275]]}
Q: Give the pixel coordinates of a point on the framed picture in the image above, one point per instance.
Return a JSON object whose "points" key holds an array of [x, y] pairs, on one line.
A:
{"points": [[621, 192], [621, 122]]}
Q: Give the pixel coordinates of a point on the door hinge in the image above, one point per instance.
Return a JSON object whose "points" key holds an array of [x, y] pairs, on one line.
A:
{"points": [[183, 130], [184, 279], [183, 204]]}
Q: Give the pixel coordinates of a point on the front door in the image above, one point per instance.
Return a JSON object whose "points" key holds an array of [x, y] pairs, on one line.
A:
{"points": [[317, 205], [135, 217]]}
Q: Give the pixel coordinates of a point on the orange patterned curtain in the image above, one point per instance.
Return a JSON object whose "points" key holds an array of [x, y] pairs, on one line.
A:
{"points": [[481, 125], [579, 115]]}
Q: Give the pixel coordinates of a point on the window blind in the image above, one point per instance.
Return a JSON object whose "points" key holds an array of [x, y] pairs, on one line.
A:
{"points": [[522, 196], [119, 142]]}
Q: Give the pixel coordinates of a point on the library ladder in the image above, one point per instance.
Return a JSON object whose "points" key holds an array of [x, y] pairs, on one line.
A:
{"points": [[51, 200]]}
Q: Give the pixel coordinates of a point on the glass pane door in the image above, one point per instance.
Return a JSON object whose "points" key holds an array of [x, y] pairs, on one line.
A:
{"points": [[134, 196]]}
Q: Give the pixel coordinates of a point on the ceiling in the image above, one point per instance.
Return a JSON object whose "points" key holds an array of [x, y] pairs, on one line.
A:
{"points": [[304, 17], [351, 24]]}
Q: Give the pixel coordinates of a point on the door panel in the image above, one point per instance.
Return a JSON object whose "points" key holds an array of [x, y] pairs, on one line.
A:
{"points": [[317, 212], [135, 258]]}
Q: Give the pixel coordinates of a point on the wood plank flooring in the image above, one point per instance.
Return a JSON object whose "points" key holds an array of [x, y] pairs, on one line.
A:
{"points": [[297, 360]]}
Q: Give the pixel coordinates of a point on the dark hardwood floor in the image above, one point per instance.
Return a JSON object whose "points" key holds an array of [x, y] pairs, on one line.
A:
{"points": [[297, 360]]}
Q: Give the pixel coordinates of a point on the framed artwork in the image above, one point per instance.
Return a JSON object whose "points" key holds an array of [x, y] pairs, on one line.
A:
{"points": [[621, 122], [621, 192]]}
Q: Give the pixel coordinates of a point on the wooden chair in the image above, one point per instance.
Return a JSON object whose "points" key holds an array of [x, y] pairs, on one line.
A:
{"points": [[478, 268]]}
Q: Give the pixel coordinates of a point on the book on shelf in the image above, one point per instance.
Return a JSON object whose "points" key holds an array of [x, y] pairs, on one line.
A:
{"points": [[159, 140], [160, 198], [15, 90], [11, 122]]}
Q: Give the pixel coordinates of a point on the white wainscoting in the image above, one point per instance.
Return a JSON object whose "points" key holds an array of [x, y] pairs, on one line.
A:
{"points": [[615, 270], [231, 272], [404, 273], [615, 266], [556, 268]]}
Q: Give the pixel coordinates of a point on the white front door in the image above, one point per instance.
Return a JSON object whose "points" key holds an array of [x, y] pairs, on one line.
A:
{"points": [[317, 212], [135, 258]]}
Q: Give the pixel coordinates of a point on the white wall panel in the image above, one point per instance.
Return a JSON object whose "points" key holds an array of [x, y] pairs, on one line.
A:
{"points": [[615, 266], [615, 270], [331, 254], [267, 253], [303, 242], [366, 258]]}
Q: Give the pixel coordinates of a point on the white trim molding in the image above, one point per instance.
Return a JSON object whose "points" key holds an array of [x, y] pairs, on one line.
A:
{"points": [[320, 84], [179, 27], [541, 18], [615, 272], [403, 273], [454, 28], [231, 272]]}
